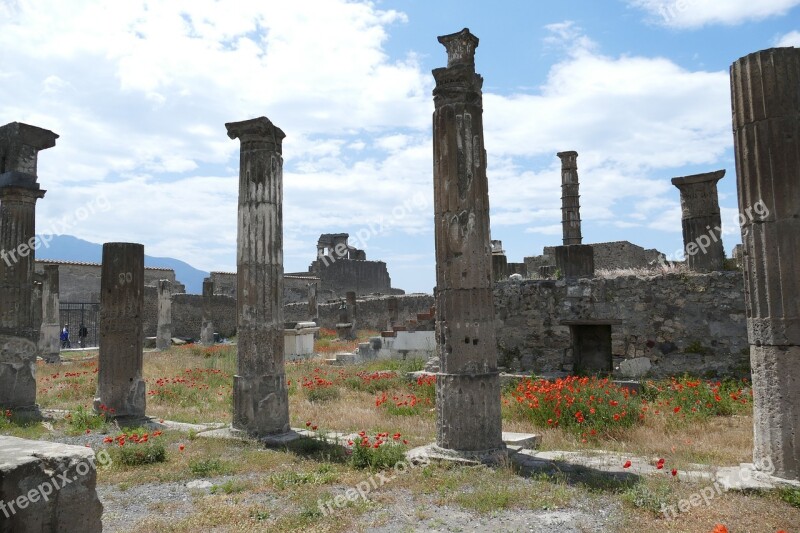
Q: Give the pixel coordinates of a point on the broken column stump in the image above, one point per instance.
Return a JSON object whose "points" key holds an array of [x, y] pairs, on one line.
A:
{"points": [[260, 394], [701, 222], [765, 88], [120, 385], [19, 329], [468, 420]]}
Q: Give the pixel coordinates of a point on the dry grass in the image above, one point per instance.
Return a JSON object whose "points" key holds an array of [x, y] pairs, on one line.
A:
{"points": [[642, 272], [272, 493]]}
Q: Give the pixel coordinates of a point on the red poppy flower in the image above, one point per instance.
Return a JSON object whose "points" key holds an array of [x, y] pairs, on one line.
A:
{"points": [[627, 464]]}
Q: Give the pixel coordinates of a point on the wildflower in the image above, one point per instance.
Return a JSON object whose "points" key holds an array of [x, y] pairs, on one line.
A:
{"points": [[182, 447], [677, 409], [308, 424], [720, 528], [396, 436], [627, 464], [674, 472], [313, 428]]}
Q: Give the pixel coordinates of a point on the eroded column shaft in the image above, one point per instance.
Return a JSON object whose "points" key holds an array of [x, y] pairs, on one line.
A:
{"points": [[207, 325], [120, 383], [701, 222], [20, 314], [766, 124], [164, 332], [467, 386], [261, 401], [570, 198], [49, 341]]}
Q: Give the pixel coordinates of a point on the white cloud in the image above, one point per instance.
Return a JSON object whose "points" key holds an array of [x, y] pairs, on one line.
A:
{"points": [[631, 119], [790, 39], [698, 13]]}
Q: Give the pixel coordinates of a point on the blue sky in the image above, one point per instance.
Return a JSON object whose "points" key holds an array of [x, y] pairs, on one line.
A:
{"points": [[140, 91]]}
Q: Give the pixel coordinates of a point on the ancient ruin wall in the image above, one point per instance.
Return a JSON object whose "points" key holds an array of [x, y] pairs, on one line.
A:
{"points": [[373, 313], [682, 322], [187, 314]]}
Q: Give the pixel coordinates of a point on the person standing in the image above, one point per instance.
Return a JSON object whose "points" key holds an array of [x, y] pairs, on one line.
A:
{"points": [[65, 337], [82, 334]]}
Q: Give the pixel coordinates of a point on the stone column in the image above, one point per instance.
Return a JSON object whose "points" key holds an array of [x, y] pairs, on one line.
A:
{"points": [[164, 333], [120, 385], [19, 333], [766, 126], [260, 395], [313, 306], [467, 387], [49, 333], [570, 199], [207, 325], [391, 306], [573, 259], [700, 218], [352, 309]]}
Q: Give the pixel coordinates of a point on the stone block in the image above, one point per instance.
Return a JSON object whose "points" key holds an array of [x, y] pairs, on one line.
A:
{"points": [[46, 486]]}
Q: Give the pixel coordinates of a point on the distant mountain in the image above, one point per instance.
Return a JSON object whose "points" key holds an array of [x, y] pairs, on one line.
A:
{"points": [[69, 248]]}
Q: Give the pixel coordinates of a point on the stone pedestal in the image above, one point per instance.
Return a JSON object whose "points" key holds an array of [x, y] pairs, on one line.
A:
{"points": [[120, 385], [19, 328], [207, 324], [468, 417], [164, 332], [766, 126], [575, 261], [700, 218], [49, 333], [260, 395], [570, 198]]}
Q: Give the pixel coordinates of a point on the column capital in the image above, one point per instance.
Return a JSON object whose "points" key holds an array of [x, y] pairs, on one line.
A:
{"points": [[19, 147], [707, 177], [460, 48], [256, 129], [568, 159]]}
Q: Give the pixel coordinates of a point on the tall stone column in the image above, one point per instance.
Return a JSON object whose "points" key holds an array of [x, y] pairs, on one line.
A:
{"points": [[164, 331], [570, 198], [260, 395], [573, 259], [467, 387], [207, 325], [766, 125], [700, 218], [313, 306], [120, 384], [49, 333], [19, 331]]}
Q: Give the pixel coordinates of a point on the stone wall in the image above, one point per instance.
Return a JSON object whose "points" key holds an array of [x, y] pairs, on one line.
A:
{"points": [[295, 287], [80, 282], [607, 256], [187, 314], [681, 322], [363, 277], [372, 312]]}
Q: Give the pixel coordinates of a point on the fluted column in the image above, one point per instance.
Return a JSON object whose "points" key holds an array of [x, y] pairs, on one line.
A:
{"points": [[19, 331], [766, 124], [260, 395], [467, 386]]}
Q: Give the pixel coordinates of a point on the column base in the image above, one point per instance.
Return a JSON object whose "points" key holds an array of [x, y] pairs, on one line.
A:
{"points": [[432, 452], [468, 413], [261, 405]]}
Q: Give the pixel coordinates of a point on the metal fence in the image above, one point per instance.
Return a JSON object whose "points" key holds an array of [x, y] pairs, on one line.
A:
{"points": [[75, 314]]}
